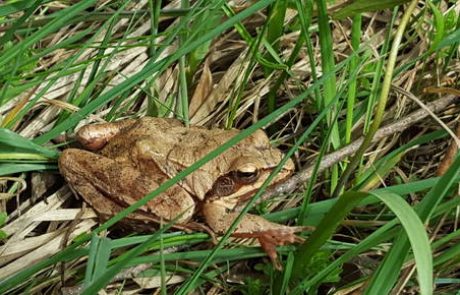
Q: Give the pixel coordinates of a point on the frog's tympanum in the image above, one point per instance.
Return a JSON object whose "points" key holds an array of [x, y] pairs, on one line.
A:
{"points": [[126, 160]]}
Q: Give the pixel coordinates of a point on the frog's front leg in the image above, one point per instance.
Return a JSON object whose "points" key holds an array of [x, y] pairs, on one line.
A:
{"points": [[94, 137], [269, 234]]}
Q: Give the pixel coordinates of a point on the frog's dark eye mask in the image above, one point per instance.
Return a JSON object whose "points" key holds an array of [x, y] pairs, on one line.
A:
{"points": [[231, 182]]}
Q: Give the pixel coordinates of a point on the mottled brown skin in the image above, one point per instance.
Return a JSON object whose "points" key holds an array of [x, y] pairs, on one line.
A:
{"points": [[131, 158]]}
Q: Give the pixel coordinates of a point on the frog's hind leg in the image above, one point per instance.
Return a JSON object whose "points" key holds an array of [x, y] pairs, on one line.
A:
{"points": [[94, 137], [269, 234], [99, 179]]}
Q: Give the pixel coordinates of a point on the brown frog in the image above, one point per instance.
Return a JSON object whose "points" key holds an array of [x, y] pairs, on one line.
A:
{"points": [[131, 158]]}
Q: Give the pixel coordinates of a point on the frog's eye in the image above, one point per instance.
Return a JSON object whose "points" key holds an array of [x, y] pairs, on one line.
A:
{"points": [[242, 176]]}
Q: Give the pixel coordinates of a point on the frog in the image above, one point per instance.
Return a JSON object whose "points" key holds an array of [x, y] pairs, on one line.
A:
{"points": [[121, 162]]}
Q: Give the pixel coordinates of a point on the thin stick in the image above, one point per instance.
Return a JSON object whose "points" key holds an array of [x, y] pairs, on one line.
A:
{"points": [[329, 160], [423, 106]]}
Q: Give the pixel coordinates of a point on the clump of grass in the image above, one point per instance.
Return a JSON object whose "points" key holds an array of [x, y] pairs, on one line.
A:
{"points": [[316, 76]]}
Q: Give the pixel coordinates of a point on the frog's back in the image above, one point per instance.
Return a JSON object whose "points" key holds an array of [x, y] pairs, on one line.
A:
{"points": [[121, 146]]}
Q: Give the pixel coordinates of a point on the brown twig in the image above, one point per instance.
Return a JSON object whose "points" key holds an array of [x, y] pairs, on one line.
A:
{"points": [[329, 160]]}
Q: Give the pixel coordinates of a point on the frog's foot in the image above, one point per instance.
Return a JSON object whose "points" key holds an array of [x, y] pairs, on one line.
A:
{"points": [[268, 233], [271, 238]]}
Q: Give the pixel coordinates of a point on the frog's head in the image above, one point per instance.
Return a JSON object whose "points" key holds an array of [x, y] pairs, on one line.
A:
{"points": [[249, 164]]}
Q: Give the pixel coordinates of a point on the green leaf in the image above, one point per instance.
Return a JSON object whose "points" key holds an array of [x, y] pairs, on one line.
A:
{"points": [[104, 275], [382, 235], [418, 238], [17, 6], [323, 232], [7, 169], [60, 19], [12, 142], [3, 218], [3, 235], [438, 26], [451, 39], [450, 20], [411, 223], [275, 29], [395, 258], [328, 66], [203, 23], [98, 259]]}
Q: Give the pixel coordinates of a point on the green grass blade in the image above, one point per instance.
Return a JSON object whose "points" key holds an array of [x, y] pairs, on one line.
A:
{"points": [[15, 280], [149, 70], [355, 42], [12, 142], [411, 223], [60, 19], [438, 28], [382, 234], [98, 258], [7, 169], [104, 277], [183, 99], [328, 66], [451, 39], [324, 231], [417, 236], [17, 6], [27, 13], [381, 106], [90, 265], [377, 78], [360, 6], [190, 284], [62, 71], [275, 29], [396, 256]]}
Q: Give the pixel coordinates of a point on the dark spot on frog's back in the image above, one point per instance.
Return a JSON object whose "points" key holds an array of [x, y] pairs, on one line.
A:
{"points": [[99, 175], [183, 132], [203, 136]]}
